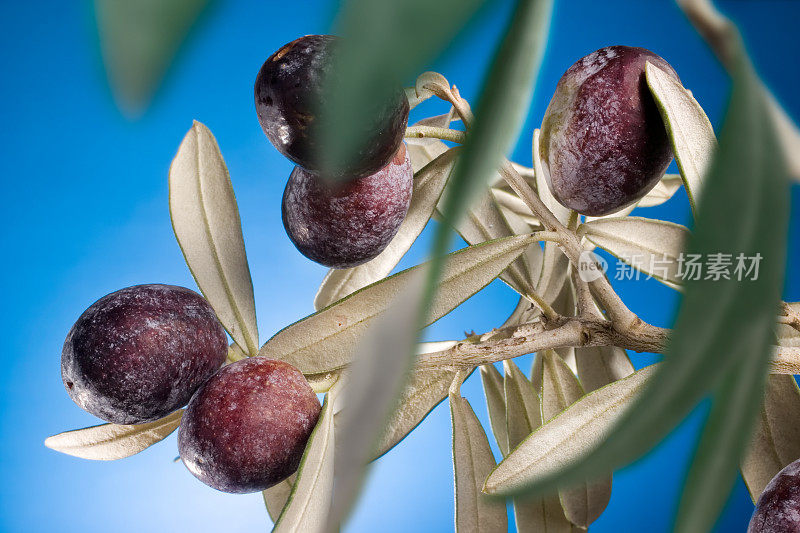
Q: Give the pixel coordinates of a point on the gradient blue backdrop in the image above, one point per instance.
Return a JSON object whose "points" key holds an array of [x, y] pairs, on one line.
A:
{"points": [[85, 213]]}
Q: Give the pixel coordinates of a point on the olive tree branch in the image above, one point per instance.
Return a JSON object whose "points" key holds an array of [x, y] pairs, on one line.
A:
{"points": [[509, 343], [431, 132]]}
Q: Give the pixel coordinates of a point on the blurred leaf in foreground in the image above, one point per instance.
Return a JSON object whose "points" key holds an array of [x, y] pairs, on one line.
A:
{"points": [[138, 40]]}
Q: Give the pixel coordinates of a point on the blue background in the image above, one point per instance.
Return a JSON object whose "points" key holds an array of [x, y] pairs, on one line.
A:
{"points": [[85, 213]]}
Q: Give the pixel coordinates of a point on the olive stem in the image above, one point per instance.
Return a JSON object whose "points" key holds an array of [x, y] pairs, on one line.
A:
{"points": [[432, 132]]}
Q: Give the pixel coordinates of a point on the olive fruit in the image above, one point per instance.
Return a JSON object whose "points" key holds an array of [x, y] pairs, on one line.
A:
{"points": [[246, 428], [139, 353], [603, 143], [290, 92], [342, 226], [778, 507]]}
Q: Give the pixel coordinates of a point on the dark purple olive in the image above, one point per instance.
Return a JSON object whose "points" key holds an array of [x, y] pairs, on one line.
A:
{"points": [[246, 428], [603, 143], [778, 508], [289, 93], [342, 226], [139, 353]]}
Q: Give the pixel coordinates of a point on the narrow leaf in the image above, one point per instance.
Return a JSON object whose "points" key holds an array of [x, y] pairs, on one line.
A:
{"points": [[139, 40], [495, 403], [108, 442], [424, 390], [733, 411], [570, 435], [428, 185], [662, 192], [311, 494], [542, 186], [325, 340], [601, 365], [776, 438], [472, 461], [651, 246], [583, 503], [375, 381], [688, 127], [206, 222], [485, 222], [275, 497], [523, 416]]}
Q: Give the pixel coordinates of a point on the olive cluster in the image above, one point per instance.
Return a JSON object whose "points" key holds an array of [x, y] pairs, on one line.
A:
{"points": [[348, 218]]}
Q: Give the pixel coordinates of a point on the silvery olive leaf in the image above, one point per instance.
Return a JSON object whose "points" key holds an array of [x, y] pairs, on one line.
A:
{"points": [[776, 437], [492, 382], [663, 191], [139, 40], [554, 273], [523, 416], [206, 222], [542, 187], [583, 503], [472, 462], [108, 442], [565, 305], [688, 127], [600, 365], [324, 341], [428, 185], [567, 437], [650, 246], [523, 313], [422, 151], [484, 222], [510, 202], [310, 497], [533, 257], [424, 390], [275, 497]]}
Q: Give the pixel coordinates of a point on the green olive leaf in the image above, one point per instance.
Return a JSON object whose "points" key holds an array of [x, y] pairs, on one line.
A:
{"points": [[776, 437], [275, 497], [583, 503], [108, 442], [374, 383], [568, 436], [428, 185], [723, 37], [492, 382], [598, 366], [734, 410], [206, 222], [138, 41], [307, 506], [472, 461], [651, 246], [523, 416], [690, 131], [324, 341]]}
